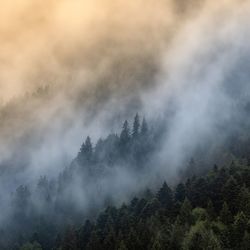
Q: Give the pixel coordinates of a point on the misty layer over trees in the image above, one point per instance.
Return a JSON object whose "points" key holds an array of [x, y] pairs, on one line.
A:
{"points": [[211, 210], [124, 124], [104, 174]]}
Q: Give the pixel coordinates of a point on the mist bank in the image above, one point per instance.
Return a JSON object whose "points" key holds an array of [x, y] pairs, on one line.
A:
{"points": [[67, 74], [79, 68]]}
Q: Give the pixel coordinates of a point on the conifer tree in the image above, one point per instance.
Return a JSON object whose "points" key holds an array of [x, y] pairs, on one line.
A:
{"points": [[185, 216], [124, 139], [88, 148], [201, 237], [86, 151], [125, 134], [177, 235], [144, 127], [239, 227], [225, 214], [230, 192], [210, 210], [165, 196], [136, 127], [180, 193]]}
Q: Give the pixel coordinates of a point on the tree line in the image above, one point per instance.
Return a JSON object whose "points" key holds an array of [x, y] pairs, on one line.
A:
{"points": [[209, 212], [209, 209]]}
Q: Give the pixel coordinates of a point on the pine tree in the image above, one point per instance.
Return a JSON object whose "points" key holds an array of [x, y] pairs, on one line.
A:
{"points": [[88, 148], [185, 215], [200, 237], [239, 227], [136, 127], [230, 192], [177, 235], [215, 169], [199, 192], [144, 127], [125, 134], [210, 210], [244, 200], [124, 139], [151, 208], [165, 196], [22, 197], [81, 153], [180, 193], [225, 214], [86, 151]]}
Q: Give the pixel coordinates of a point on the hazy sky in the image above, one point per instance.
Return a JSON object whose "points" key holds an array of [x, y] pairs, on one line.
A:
{"points": [[106, 60]]}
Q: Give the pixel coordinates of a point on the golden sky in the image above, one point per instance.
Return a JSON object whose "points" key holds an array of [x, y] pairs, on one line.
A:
{"points": [[45, 41]]}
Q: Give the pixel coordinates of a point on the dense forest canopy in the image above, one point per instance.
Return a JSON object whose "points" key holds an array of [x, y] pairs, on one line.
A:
{"points": [[207, 204]]}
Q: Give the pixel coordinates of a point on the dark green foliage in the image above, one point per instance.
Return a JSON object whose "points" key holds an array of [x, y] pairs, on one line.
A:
{"points": [[177, 235], [185, 214], [230, 192], [225, 214], [201, 237], [240, 226], [86, 152], [202, 212], [156, 222], [180, 192], [136, 126], [210, 210], [165, 196]]}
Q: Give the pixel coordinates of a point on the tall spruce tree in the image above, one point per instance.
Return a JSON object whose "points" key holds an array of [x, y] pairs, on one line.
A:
{"points": [[136, 126], [144, 127], [225, 214], [88, 148], [124, 139], [165, 196]]}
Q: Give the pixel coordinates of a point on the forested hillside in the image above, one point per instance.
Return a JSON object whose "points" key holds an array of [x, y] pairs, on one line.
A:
{"points": [[208, 212], [124, 124], [208, 209], [43, 209]]}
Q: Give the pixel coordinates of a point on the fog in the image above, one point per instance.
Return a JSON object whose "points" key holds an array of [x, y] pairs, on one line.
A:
{"points": [[74, 47], [74, 68]]}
